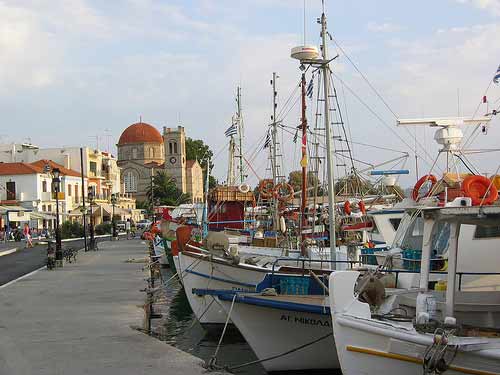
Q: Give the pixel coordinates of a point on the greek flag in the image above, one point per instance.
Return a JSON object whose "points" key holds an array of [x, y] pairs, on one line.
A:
{"points": [[496, 79], [267, 143], [232, 130], [310, 88]]}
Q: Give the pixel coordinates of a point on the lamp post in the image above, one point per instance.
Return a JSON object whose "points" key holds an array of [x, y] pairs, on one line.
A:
{"points": [[113, 203], [90, 198], [56, 183]]}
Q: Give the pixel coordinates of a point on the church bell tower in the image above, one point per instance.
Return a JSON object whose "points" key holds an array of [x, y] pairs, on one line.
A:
{"points": [[174, 140]]}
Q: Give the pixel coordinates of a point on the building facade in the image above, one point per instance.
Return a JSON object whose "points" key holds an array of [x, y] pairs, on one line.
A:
{"points": [[30, 185], [142, 151]]}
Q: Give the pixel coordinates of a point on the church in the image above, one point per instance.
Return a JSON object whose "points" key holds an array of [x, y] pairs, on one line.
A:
{"points": [[142, 151]]}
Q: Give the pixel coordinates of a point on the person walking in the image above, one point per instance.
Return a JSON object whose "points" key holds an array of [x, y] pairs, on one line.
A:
{"points": [[128, 228], [27, 235]]}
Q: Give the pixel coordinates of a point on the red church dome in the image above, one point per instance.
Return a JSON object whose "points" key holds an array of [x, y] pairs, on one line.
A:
{"points": [[140, 133]]}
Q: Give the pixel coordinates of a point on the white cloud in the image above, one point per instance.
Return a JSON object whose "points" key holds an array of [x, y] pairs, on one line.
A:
{"points": [[492, 6], [385, 27]]}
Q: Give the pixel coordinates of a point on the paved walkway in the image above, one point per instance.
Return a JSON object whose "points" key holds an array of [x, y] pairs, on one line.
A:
{"points": [[78, 319]]}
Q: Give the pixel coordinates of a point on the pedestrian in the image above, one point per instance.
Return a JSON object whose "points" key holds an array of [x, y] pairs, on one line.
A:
{"points": [[128, 227], [27, 235]]}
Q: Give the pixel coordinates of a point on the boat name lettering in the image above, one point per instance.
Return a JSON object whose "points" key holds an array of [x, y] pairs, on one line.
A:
{"points": [[304, 320]]}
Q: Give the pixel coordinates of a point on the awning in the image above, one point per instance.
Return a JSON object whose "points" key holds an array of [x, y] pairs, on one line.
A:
{"points": [[41, 216], [16, 213]]}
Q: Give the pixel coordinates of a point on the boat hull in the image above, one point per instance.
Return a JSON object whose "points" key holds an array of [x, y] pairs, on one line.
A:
{"points": [[271, 332], [200, 273]]}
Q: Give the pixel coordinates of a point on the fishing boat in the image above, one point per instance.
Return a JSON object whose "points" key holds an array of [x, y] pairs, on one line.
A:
{"points": [[450, 326], [294, 308]]}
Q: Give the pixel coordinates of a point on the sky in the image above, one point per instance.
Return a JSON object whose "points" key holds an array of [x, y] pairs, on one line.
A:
{"points": [[78, 72]]}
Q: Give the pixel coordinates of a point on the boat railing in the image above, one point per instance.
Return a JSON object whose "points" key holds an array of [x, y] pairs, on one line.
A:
{"points": [[459, 274], [303, 261]]}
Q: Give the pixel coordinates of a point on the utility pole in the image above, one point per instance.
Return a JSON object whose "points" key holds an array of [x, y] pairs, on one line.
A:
{"points": [[329, 145]]}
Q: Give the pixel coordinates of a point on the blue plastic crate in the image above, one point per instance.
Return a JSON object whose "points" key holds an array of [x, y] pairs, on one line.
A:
{"points": [[292, 285]]}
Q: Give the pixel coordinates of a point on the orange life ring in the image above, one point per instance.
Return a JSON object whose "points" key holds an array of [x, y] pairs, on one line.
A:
{"points": [[420, 182], [266, 188], [284, 187], [476, 187], [347, 207], [362, 207]]}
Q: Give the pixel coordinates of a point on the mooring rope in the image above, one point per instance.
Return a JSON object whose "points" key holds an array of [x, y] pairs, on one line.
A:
{"points": [[231, 368]]}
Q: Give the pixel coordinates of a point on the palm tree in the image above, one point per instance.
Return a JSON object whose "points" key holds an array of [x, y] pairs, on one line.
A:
{"points": [[166, 191]]}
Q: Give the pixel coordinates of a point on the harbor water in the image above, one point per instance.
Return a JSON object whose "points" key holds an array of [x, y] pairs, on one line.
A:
{"points": [[179, 327]]}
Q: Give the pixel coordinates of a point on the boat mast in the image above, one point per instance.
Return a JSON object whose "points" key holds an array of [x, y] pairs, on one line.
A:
{"points": [[303, 163], [274, 156], [329, 146], [230, 172], [239, 116]]}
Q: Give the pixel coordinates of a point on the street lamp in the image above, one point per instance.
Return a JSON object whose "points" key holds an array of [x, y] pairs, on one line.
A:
{"points": [[56, 183], [90, 198], [113, 203]]}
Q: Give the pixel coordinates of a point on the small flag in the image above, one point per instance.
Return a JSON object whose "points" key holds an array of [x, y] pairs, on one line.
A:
{"points": [[267, 142], [232, 130], [496, 79], [485, 99], [296, 136], [310, 88]]}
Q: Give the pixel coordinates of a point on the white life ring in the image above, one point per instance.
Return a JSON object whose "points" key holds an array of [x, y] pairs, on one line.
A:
{"points": [[244, 188]]}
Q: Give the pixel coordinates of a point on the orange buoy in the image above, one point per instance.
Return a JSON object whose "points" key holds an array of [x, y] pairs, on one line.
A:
{"points": [[480, 189], [420, 182], [362, 207], [347, 207]]}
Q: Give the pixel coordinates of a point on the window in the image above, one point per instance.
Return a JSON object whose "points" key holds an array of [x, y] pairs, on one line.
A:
{"points": [[172, 147], [483, 231], [11, 190], [395, 222], [69, 190], [76, 193], [130, 180], [93, 168], [49, 208], [44, 207], [151, 152], [134, 153], [44, 186]]}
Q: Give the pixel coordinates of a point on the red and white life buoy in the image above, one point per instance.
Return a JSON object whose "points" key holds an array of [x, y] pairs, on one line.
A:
{"points": [[418, 186], [284, 192], [266, 188]]}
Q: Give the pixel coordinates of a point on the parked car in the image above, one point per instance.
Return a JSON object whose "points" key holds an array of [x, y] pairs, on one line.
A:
{"points": [[120, 225], [143, 224]]}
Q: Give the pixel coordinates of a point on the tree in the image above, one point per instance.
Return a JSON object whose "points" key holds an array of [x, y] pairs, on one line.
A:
{"points": [[295, 179], [166, 192], [196, 149]]}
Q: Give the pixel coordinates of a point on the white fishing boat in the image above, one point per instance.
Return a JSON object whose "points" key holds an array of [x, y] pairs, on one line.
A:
{"points": [[289, 328], [407, 331]]}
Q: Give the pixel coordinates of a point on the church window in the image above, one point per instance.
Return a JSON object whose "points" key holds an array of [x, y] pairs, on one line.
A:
{"points": [[175, 147], [151, 152], [134, 153], [130, 180], [170, 148]]}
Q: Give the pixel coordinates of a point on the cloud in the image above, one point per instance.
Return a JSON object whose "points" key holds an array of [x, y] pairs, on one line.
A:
{"points": [[492, 6], [385, 27]]}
